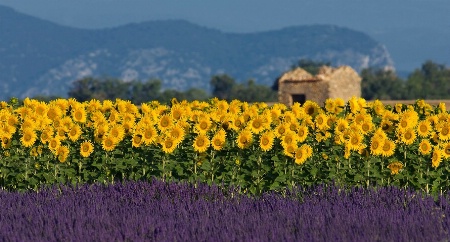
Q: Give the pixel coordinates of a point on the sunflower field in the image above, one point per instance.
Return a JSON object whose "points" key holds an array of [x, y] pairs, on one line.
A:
{"points": [[254, 147]]}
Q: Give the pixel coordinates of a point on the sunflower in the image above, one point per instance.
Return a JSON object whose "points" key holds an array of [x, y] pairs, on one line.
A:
{"points": [[330, 105], [86, 148], [288, 138], [100, 131], [281, 130], [425, 147], [408, 136], [41, 109], [395, 167], [300, 156], [54, 143], [355, 141], [108, 143], [149, 134], [424, 128], [367, 127], [408, 119], [201, 143], [360, 118], [444, 132], [388, 148], [203, 125], [61, 133], [94, 105], [177, 133], [177, 112], [302, 153], [168, 145], [387, 125], [275, 112], [117, 132], [237, 122], [34, 152], [266, 141], [165, 122], [6, 142], [341, 125], [75, 132], [302, 133], [244, 139], [28, 123], [63, 153], [66, 123], [79, 115], [354, 104], [376, 145], [128, 117], [446, 150], [114, 116], [436, 158], [321, 122], [378, 107], [311, 108], [289, 149], [136, 140], [28, 138], [222, 105], [7, 130], [379, 133], [257, 124], [308, 150], [218, 140], [321, 136], [128, 127], [339, 105], [12, 120], [289, 116]]}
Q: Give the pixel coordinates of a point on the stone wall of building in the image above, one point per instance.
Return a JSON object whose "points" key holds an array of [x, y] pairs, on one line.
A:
{"points": [[344, 82], [313, 90]]}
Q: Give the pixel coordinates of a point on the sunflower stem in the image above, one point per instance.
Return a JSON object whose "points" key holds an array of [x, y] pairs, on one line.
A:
{"points": [[212, 166]]}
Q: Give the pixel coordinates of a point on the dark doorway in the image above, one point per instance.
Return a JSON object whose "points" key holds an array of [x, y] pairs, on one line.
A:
{"points": [[299, 98]]}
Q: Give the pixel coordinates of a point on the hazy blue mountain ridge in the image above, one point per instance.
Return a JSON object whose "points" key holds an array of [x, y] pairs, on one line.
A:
{"points": [[38, 57]]}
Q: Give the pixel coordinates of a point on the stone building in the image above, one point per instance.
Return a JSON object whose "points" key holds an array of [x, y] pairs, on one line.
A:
{"points": [[298, 85]]}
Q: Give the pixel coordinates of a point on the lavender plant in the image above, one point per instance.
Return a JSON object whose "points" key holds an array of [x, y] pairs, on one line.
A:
{"points": [[162, 211]]}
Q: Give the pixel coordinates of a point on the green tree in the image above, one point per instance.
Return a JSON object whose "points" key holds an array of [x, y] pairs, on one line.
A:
{"points": [[381, 84], [252, 92], [145, 91], [431, 81], [222, 86]]}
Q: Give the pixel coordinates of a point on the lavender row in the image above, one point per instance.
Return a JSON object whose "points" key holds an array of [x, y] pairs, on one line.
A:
{"points": [[158, 211]]}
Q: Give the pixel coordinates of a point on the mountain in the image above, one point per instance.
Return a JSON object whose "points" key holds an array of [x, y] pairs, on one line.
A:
{"points": [[38, 57]]}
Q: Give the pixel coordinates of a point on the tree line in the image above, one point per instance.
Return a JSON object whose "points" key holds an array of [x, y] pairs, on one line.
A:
{"points": [[223, 87], [430, 81]]}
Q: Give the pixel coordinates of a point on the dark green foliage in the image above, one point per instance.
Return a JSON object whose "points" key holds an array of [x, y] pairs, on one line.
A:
{"points": [[225, 87], [381, 84], [431, 81], [136, 91]]}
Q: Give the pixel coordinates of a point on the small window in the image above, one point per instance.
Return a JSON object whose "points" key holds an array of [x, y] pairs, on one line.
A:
{"points": [[299, 98]]}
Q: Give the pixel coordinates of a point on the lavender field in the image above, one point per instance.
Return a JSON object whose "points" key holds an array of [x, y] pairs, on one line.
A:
{"points": [[161, 211]]}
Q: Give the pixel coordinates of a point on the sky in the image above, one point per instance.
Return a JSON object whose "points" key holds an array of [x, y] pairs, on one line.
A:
{"points": [[384, 20], [243, 15]]}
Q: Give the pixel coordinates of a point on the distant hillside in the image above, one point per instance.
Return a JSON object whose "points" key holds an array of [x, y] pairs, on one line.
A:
{"points": [[38, 57]]}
